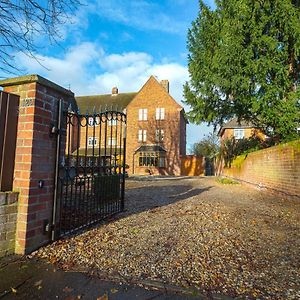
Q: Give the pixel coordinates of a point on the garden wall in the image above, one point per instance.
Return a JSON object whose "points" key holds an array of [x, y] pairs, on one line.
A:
{"points": [[276, 169], [35, 159], [8, 222]]}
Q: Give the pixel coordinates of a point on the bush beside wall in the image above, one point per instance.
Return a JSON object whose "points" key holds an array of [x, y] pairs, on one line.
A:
{"points": [[276, 169]]}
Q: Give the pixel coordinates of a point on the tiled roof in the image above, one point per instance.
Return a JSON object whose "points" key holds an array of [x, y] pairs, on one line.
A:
{"points": [[104, 102], [233, 123]]}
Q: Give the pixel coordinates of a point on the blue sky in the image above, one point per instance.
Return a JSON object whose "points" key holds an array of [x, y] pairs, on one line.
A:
{"points": [[121, 43]]}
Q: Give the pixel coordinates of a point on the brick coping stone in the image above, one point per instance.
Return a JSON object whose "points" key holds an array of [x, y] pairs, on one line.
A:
{"points": [[35, 78]]}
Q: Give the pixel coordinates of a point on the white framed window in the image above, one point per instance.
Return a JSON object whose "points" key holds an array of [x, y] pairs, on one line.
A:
{"points": [[91, 121], [142, 135], [112, 142], [143, 114], [159, 135], [160, 113], [112, 122], [92, 141], [239, 133], [154, 159]]}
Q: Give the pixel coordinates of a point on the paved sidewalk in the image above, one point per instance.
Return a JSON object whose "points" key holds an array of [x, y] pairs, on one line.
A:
{"points": [[21, 278]]}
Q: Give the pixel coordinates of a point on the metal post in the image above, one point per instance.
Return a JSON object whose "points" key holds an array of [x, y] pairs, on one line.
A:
{"points": [[124, 169], [57, 162]]}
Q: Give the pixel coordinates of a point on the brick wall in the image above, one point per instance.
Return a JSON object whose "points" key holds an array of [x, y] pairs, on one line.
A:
{"points": [[276, 169], [8, 222], [35, 156]]}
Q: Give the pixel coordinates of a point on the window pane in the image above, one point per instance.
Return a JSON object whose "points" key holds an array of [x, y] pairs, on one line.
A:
{"points": [[140, 135], [238, 133], [162, 113], [143, 114], [112, 142], [92, 141], [112, 122], [157, 114], [91, 121]]}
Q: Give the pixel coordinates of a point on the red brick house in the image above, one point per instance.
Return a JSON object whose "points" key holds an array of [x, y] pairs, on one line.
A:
{"points": [[156, 127], [239, 130]]}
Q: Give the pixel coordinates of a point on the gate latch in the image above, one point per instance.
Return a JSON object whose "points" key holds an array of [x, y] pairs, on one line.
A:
{"points": [[47, 227], [54, 130]]}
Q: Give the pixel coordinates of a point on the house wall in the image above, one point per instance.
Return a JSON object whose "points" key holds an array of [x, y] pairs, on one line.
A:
{"points": [[249, 132], [98, 131], [182, 134], [153, 96], [276, 169]]}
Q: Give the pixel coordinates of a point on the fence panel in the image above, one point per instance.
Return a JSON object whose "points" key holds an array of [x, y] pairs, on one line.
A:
{"points": [[9, 105]]}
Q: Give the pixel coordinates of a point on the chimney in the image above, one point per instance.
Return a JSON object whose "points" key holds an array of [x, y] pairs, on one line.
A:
{"points": [[114, 91], [165, 85]]}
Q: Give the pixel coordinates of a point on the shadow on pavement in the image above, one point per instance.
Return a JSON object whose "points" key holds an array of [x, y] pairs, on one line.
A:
{"points": [[30, 279]]}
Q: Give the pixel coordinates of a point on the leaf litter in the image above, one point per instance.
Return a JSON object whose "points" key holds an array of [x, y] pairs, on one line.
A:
{"points": [[197, 233]]}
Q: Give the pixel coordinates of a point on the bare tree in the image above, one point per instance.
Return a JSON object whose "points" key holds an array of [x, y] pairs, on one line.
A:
{"points": [[23, 21]]}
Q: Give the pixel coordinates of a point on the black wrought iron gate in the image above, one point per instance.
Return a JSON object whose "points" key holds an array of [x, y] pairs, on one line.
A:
{"points": [[90, 172]]}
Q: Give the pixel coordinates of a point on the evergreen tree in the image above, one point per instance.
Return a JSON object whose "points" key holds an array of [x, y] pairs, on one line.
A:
{"points": [[244, 62]]}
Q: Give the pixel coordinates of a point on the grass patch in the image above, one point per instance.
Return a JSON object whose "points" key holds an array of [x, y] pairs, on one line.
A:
{"points": [[225, 180]]}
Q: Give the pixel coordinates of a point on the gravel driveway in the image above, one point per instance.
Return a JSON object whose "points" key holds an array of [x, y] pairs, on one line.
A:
{"points": [[195, 232]]}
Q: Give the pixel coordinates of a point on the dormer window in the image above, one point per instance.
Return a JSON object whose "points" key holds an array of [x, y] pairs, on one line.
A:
{"points": [[160, 113], [143, 114]]}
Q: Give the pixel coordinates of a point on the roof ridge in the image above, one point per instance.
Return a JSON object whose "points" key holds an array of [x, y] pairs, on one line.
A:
{"points": [[106, 94]]}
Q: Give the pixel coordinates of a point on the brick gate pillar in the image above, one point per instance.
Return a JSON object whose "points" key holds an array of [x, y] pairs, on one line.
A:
{"points": [[35, 156]]}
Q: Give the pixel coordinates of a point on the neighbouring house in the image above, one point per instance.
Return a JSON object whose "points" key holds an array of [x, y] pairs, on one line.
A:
{"points": [[156, 128], [239, 130]]}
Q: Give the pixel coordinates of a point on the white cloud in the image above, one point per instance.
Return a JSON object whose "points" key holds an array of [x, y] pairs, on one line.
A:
{"points": [[88, 70]]}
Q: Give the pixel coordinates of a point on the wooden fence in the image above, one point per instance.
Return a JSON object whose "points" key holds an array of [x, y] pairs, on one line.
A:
{"points": [[9, 105]]}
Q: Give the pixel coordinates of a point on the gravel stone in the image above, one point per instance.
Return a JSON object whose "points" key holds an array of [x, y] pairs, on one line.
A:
{"points": [[194, 232]]}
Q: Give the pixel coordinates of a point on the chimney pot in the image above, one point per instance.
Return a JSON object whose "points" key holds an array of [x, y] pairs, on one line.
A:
{"points": [[114, 91], [165, 85]]}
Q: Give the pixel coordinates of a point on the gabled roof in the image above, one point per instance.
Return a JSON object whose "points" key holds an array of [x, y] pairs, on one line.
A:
{"points": [[234, 124], [103, 102]]}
